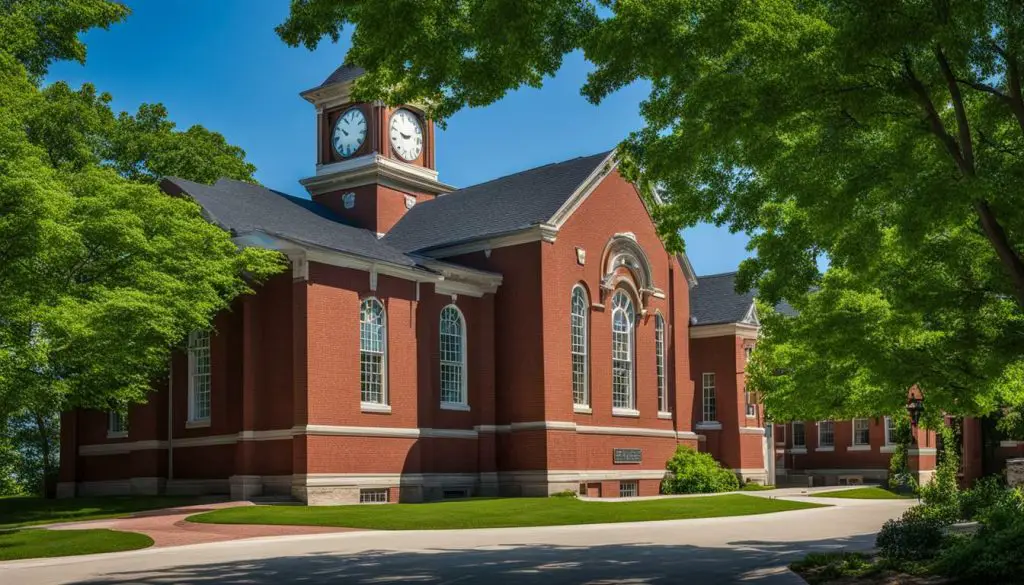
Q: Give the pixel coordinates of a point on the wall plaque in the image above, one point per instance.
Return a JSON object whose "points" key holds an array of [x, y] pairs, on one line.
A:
{"points": [[626, 456]]}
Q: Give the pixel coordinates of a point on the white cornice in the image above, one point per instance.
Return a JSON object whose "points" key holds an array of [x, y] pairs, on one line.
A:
{"points": [[535, 233], [374, 168], [724, 330], [582, 192]]}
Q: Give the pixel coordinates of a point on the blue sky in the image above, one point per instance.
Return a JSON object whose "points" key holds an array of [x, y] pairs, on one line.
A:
{"points": [[221, 65]]}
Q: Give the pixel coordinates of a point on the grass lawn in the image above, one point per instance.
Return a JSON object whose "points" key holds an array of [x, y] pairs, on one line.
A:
{"points": [[25, 511], [755, 487], [499, 512], [34, 544], [864, 493]]}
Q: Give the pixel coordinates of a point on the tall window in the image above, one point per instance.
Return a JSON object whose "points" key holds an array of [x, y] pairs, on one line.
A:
{"points": [[890, 430], [578, 333], [373, 345], [861, 432], [199, 376], [659, 358], [708, 395], [826, 434], [622, 351], [799, 438], [117, 423], [453, 356], [751, 403]]}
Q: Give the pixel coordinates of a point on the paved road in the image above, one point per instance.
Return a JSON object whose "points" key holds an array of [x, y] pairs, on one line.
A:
{"points": [[752, 549]]}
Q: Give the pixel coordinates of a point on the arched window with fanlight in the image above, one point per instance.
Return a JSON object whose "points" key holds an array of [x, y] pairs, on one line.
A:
{"points": [[373, 350], [453, 358], [579, 328], [623, 375]]}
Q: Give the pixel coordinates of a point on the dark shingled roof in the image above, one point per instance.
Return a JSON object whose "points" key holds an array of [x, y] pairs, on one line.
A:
{"points": [[714, 300], [243, 207], [340, 75], [500, 206]]}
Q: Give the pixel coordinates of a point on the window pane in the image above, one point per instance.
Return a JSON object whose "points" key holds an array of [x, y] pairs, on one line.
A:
{"points": [[799, 439], [708, 397], [578, 335], [622, 351], [826, 434], [659, 353], [372, 352], [861, 431], [199, 375], [453, 357]]}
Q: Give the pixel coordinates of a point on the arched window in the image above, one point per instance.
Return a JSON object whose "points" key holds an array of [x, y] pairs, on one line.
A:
{"points": [[622, 352], [579, 328], [659, 358], [373, 348], [453, 357]]}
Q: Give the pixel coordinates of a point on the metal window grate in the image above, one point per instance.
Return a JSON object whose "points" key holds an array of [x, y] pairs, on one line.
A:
{"points": [[453, 356], [374, 496], [578, 334], [372, 352], [826, 434], [861, 432], [199, 375], [622, 351], [799, 439], [708, 395], [659, 355], [629, 489]]}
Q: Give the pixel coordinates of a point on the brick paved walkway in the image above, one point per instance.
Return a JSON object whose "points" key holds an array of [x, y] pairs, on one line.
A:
{"points": [[169, 528]]}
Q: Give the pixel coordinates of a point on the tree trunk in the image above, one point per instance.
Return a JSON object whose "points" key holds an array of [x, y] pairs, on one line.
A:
{"points": [[1008, 257], [44, 450]]}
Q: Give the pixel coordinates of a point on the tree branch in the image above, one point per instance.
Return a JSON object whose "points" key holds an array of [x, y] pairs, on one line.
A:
{"points": [[1013, 86], [962, 124], [933, 119], [1008, 256]]}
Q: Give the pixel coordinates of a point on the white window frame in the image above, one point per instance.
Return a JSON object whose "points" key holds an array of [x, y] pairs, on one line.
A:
{"points": [[629, 488], [867, 428], [822, 425], [624, 405], [579, 347], [749, 403], [117, 424], [660, 364], [803, 434], [463, 399], [365, 351], [195, 416], [890, 428], [709, 402]]}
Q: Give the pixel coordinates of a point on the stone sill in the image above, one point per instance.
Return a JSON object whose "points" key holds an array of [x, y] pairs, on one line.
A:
{"points": [[580, 409], [825, 449], [121, 435], [375, 408], [197, 424], [665, 415], [708, 425], [797, 451], [454, 406], [630, 412], [888, 449], [859, 448]]}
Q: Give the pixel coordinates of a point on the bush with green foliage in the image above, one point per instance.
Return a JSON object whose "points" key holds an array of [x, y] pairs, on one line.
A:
{"points": [[692, 472], [993, 553], [900, 479], [942, 493], [985, 494], [917, 535]]}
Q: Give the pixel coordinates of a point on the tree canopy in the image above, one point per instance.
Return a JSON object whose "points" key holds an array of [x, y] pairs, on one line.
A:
{"points": [[101, 273], [885, 136]]}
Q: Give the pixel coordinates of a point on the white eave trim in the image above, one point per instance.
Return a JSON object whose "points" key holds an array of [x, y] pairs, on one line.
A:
{"points": [[373, 168], [602, 170], [742, 330]]}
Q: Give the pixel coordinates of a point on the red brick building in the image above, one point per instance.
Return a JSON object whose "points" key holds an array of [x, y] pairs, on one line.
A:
{"points": [[523, 336]]}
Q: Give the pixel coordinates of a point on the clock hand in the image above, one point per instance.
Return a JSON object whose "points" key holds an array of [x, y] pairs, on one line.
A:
{"points": [[406, 136], [343, 131]]}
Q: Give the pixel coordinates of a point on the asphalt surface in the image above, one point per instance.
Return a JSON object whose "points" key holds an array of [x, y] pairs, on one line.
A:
{"points": [[749, 549]]}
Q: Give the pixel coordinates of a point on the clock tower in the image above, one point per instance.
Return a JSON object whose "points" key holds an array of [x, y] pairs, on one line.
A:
{"points": [[374, 162]]}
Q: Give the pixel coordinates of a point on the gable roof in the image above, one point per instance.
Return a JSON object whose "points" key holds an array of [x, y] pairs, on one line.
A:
{"points": [[715, 301], [342, 74], [500, 206], [242, 208]]}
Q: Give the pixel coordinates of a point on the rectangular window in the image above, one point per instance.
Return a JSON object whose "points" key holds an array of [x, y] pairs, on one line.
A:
{"points": [[578, 335], [629, 489], [117, 423], [374, 496], [659, 353], [708, 394], [751, 404], [861, 434], [747, 352], [890, 431], [826, 434], [199, 376], [799, 439]]}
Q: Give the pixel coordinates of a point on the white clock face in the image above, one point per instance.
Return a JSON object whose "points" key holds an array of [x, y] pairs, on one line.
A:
{"points": [[406, 134], [349, 132]]}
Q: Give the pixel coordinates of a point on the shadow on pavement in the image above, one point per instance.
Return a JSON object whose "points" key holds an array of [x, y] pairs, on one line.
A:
{"points": [[633, 564]]}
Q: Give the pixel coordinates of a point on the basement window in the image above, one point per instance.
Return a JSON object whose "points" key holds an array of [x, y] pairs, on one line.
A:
{"points": [[629, 489], [455, 494], [373, 496]]}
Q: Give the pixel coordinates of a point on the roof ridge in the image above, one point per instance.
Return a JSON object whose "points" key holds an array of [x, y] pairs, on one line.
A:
{"points": [[717, 275], [536, 168]]}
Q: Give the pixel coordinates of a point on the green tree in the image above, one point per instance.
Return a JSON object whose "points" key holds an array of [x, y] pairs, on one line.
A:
{"points": [[101, 273], [885, 136]]}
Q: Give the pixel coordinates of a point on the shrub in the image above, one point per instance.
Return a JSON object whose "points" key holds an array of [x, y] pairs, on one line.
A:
{"points": [[692, 472], [565, 494], [915, 536], [986, 492], [993, 553], [943, 491]]}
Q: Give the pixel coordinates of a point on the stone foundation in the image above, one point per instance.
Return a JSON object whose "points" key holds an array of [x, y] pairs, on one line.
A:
{"points": [[1015, 472]]}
